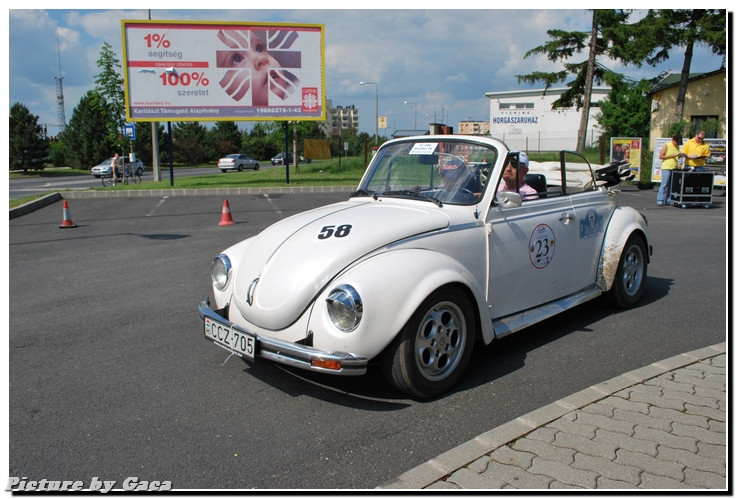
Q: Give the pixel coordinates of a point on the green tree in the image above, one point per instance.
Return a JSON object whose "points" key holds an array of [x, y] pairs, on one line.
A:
{"points": [[109, 85], [224, 138], [189, 143], [259, 143], [626, 111], [662, 30], [603, 39], [143, 145], [85, 139], [28, 147]]}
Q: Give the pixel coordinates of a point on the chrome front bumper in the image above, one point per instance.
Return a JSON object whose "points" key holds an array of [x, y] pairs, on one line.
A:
{"points": [[293, 354]]}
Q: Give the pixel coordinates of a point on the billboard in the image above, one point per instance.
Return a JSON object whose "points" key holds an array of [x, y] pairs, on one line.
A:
{"points": [[627, 149], [211, 71]]}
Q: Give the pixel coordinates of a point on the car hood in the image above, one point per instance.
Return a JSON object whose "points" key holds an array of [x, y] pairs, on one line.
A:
{"points": [[286, 265]]}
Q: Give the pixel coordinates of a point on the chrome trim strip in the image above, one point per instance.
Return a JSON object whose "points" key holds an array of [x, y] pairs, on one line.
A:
{"points": [[292, 354]]}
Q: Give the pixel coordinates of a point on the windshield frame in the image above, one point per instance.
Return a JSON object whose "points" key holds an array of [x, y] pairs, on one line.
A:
{"points": [[450, 169]]}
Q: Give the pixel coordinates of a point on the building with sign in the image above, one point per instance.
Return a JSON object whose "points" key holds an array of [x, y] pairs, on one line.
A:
{"points": [[524, 119]]}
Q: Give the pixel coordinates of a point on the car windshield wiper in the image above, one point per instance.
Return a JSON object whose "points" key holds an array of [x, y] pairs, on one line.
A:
{"points": [[363, 192], [413, 194]]}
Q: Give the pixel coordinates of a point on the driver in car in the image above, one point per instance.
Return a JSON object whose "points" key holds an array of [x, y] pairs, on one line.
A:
{"points": [[517, 160]]}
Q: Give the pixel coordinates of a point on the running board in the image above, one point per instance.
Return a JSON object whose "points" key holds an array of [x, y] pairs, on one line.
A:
{"points": [[512, 323]]}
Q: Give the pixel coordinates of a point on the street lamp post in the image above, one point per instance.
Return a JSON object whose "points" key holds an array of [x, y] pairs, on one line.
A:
{"points": [[376, 84], [415, 112]]}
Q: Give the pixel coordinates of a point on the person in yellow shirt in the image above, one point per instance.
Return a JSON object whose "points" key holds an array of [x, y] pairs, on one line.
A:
{"points": [[696, 151], [669, 154]]}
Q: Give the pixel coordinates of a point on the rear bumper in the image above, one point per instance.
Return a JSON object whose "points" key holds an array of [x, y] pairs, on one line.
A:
{"points": [[294, 354]]}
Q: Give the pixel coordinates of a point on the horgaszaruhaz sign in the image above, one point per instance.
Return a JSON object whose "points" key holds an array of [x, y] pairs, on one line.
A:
{"points": [[211, 71]]}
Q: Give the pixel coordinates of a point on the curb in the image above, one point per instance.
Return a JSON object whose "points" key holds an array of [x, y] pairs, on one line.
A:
{"points": [[34, 205], [445, 464]]}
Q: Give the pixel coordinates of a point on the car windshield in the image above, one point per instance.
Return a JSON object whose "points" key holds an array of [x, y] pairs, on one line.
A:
{"points": [[452, 171]]}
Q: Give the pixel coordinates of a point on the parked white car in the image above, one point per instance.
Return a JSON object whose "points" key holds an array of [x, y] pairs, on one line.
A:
{"points": [[414, 268]]}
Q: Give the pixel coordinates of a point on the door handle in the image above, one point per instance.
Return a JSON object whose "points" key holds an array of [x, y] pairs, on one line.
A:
{"points": [[566, 218]]}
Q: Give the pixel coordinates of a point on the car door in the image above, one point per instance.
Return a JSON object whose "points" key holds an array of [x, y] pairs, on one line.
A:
{"points": [[531, 254], [546, 248]]}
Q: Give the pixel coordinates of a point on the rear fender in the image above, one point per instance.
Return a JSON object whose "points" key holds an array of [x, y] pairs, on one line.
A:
{"points": [[625, 221], [392, 285]]}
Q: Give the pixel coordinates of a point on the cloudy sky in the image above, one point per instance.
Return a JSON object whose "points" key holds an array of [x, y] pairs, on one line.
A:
{"points": [[442, 60]]}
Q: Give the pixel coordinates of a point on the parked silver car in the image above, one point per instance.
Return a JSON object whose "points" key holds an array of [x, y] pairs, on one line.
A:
{"points": [[103, 169], [237, 162]]}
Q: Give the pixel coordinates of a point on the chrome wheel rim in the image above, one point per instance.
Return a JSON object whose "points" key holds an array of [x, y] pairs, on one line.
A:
{"points": [[633, 270], [440, 341]]}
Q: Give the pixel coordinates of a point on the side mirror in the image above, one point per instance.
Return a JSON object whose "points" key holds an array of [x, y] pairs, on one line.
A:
{"points": [[507, 199]]}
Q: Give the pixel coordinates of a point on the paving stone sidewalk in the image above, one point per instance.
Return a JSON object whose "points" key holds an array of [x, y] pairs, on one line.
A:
{"points": [[660, 427]]}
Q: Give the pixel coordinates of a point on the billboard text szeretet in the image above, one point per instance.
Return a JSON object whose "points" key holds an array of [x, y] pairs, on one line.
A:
{"points": [[183, 71]]}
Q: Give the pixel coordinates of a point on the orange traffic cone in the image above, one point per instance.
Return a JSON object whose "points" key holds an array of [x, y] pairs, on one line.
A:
{"points": [[226, 219], [67, 221]]}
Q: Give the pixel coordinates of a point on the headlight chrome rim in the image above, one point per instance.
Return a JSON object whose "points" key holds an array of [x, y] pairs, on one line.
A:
{"points": [[345, 308], [220, 272]]}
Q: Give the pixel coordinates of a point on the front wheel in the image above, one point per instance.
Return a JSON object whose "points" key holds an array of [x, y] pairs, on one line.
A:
{"points": [[628, 285], [433, 349]]}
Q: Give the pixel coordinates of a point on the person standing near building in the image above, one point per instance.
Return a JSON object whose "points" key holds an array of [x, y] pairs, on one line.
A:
{"points": [[668, 154], [696, 151]]}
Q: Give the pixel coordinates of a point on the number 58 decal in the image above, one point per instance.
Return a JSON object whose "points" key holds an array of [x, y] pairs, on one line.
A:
{"points": [[330, 230]]}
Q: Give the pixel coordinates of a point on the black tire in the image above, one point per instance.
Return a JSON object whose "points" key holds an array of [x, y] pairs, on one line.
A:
{"points": [[256, 167], [240, 168], [139, 172], [223, 171], [106, 181], [431, 352], [631, 274]]}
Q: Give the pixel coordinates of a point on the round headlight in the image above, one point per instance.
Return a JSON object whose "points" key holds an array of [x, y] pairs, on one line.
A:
{"points": [[345, 308], [220, 271]]}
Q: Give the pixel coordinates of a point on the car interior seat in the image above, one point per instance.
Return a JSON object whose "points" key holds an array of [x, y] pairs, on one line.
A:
{"points": [[538, 182]]}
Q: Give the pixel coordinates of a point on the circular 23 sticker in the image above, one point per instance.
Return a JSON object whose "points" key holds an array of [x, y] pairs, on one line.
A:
{"points": [[541, 246]]}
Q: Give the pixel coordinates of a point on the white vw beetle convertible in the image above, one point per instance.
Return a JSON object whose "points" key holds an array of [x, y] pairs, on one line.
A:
{"points": [[432, 253]]}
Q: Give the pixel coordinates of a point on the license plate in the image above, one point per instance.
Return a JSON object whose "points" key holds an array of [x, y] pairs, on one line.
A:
{"points": [[236, 341]]}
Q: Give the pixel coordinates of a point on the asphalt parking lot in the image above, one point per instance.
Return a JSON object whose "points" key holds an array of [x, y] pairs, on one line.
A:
{"points": [[110, 375]]}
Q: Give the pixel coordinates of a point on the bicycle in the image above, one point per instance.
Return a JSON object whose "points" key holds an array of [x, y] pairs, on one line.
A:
{"points": [[125, 175]]}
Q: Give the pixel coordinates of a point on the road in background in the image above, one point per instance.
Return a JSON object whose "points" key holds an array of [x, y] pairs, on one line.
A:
{"points": [[22, 187], [111, 377]]}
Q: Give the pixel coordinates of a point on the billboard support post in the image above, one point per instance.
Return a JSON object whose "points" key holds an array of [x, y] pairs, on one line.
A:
{"points": [[171, 155], [286, 150]]}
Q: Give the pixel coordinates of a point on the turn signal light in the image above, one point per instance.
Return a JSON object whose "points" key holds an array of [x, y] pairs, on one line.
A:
{"points": [[334, 365]]}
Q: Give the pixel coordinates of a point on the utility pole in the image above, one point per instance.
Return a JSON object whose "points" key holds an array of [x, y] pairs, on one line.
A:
{"points": [[61, 114]]}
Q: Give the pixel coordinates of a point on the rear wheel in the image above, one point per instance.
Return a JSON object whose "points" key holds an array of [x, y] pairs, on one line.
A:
{"points": [[432, 351], [628, 285]]}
